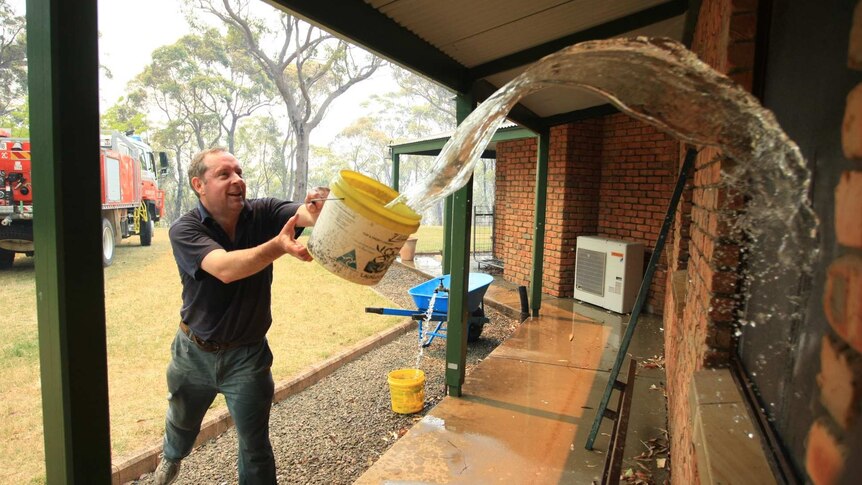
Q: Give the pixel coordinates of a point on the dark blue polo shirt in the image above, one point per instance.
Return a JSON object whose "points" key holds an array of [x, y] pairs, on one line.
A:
{"points": [[237, 312]]}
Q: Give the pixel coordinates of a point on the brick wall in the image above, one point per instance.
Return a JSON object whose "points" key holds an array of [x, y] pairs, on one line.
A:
{"points": [[699, 334], [639, 171], [611, 176], [574, 174], [830, 440]]}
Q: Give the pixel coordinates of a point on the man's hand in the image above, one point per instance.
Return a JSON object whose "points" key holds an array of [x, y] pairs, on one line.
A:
{"points": [[314, 200], [289, 244]]}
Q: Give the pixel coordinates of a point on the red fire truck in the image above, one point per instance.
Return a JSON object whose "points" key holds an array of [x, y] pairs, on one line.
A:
{"points": [[131, 198]]}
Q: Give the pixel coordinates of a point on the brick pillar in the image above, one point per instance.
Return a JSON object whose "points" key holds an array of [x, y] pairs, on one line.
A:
{"points": [[513, 207]]}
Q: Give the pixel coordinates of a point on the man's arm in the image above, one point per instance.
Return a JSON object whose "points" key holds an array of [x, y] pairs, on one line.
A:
{"points": [[230, 266]]}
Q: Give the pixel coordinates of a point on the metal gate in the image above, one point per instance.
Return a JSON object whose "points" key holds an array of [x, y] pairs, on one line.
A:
{"points": [[483, 238]]}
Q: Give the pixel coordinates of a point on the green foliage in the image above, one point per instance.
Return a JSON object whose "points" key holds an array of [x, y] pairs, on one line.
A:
{"points": [[13, 61], [18, 120], [124, 116], [260, 147], [309, 67]]}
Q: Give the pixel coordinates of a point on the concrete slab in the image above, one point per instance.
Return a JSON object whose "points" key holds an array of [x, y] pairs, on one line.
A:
{"points": [[527, 409], [518, 422]]}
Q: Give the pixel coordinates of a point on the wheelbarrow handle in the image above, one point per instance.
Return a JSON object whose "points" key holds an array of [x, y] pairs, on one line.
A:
{"points": [[390, 311]]}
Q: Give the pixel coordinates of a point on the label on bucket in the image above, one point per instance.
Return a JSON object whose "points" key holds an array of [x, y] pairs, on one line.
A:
{"points": [[353, 247]]}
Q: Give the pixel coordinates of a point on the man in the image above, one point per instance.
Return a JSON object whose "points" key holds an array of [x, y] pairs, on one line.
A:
{"points": [[224, 250]]}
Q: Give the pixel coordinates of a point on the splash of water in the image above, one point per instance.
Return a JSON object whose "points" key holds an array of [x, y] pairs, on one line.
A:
{"points": [[424, 332], [662, 83]]}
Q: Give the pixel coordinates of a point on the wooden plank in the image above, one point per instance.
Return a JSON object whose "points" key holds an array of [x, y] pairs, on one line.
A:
{"points": [[614, 461]]}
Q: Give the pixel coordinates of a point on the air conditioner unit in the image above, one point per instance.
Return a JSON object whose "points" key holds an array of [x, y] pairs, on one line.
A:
{"points": [[608, 272]]}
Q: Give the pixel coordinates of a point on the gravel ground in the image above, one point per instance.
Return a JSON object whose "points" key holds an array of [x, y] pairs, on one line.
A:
{"points": [[333, 431]]}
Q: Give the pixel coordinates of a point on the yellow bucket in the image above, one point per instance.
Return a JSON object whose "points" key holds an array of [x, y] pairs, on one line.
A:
{"points": [[357, 238], [407, 389]]}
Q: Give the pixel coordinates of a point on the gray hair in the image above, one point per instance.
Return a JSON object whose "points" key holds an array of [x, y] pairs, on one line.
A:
{"points": [[197, 168]]}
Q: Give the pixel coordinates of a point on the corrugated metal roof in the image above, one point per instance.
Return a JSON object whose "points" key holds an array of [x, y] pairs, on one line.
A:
{"points": [[478, 31], [460, 43]]}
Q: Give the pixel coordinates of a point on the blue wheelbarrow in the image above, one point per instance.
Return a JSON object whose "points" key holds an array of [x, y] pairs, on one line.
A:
{"points": [[437, 289]]}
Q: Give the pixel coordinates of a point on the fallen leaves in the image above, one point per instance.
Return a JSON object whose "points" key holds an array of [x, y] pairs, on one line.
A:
{"points": [[655, 362], [654, 455]]}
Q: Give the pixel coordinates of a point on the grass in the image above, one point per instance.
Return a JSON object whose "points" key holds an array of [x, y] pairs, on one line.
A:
{"points": [[142, 301], [430, 239]]}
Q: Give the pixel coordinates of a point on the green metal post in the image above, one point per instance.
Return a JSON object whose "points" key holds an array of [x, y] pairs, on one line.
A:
{"points": [[62, 48], [396, 169], [539, 224], [456, 327], [447, 235], [457, 263], [463, 107]]}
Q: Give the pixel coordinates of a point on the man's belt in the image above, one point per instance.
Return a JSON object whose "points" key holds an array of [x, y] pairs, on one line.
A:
{"points": [[207, 345]]}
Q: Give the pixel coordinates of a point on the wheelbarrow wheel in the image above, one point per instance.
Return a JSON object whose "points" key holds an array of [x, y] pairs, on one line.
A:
{"points": [[474, 329]]}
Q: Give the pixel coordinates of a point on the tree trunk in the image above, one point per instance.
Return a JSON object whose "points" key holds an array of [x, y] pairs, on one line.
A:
{"points": [[300, 182], [181, 191]]}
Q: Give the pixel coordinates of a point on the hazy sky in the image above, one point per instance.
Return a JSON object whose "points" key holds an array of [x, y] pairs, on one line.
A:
{"points": [[131, 29], [125, 51]]}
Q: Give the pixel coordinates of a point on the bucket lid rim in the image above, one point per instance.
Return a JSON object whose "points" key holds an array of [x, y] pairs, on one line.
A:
{"points": [[408, 220]]}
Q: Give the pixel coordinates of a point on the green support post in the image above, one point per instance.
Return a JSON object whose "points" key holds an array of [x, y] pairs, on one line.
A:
{"points": [[62, 49], [539, 224], [456, 262], [456, 327], [463, 106], [396, 169], [447, 235]]}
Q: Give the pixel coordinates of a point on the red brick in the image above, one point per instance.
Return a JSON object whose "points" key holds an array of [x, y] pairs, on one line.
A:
{"points": [[854, 51], [848, 209], [824, 455], [744, 5], [842, 299], [851, 127], [840, 381], [743, 27], [743, 77]]}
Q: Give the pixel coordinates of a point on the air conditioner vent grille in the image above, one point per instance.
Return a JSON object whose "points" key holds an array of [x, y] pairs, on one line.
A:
{"points": [[590, 275]]}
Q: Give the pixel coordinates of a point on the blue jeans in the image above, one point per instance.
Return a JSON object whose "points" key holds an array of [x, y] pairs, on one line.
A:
{"points": [[243, 375]]}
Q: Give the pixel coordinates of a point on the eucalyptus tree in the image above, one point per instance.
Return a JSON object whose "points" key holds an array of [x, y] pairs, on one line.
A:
{"points": [[431, 108], [261, 147], [417, 109], [127, 114], [309, 67], [13, 68], [363, 146], [199, 88], [176, 137]]}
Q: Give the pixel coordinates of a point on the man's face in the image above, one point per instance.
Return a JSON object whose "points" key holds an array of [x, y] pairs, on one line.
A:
{"points": [[222, 190]]}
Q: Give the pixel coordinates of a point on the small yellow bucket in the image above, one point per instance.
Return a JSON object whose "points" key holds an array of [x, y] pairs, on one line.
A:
{"points": [[358, 237], [407, 388]]}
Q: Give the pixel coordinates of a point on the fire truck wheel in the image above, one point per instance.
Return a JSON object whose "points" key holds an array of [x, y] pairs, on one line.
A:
{"points": [[147, 232], [107, 243], [6, 258]]}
